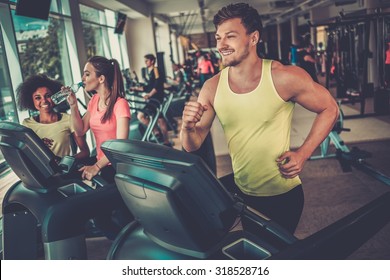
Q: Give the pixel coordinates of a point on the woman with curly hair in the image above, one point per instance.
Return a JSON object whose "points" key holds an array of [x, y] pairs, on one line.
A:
{"points": [[55, 129]]}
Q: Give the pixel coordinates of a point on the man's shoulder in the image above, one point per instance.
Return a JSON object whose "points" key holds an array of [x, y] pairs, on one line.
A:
{"points": [[212, 83], [280, 71], [289, 79], [209, 88]]}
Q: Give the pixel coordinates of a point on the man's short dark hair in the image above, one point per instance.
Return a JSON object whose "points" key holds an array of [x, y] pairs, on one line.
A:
{"points": [[249, 16], [150, 57]]}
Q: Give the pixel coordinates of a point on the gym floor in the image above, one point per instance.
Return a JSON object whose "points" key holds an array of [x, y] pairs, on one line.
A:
{"points": [[330, 193]]}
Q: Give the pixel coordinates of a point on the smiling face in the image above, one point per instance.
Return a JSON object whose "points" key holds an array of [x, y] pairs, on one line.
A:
{"points": [[42, 100], [233, 42]]}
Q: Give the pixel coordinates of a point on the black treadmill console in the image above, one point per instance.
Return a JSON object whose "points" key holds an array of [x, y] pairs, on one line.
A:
{"points": [[29, 158], [174, 195]]}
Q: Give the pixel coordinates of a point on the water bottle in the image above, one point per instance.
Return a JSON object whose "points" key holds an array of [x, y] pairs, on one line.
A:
{"points": [[60, 96]]}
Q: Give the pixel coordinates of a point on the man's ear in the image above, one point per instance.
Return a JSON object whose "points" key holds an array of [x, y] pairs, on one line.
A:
{"points": [[255, 37]]}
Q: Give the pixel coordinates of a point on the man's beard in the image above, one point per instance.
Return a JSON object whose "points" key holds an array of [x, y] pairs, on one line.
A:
{"points": [[237, 60]]}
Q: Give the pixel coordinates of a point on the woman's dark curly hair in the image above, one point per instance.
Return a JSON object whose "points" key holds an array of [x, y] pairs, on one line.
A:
{"points": [[26, 89]]}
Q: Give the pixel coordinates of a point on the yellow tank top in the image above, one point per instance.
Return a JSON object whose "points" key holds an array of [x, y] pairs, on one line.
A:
{"points": [[257, 129], [60, 132]]}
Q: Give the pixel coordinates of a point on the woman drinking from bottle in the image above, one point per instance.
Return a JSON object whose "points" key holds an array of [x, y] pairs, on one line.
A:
{"points": [[108, 112]]}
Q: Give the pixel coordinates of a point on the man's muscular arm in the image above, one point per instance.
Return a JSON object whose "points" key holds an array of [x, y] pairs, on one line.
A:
{"points": [[198, 117], [294, 84]]}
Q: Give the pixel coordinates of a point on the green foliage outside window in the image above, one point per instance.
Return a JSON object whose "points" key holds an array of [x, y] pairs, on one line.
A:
{"points": [[43, 54]]}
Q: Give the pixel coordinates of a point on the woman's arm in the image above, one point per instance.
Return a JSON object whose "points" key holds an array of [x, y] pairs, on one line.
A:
{"points": [[80, 125], [82, 145], [122, 128]]}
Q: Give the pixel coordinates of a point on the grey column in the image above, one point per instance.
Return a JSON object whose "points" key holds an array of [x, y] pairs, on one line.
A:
{"points": [[293, 25], [279, 39], [78, 33]]}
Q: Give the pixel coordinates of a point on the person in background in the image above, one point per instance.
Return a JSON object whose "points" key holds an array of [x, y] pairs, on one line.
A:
{"points": [[188, 69], [387, 65], [308, 61], [321, 62], [155, 89], [293, 54], [205, 69], [55, 129], [108, 113], [179, 79], [195, 59], [254, 99]]}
